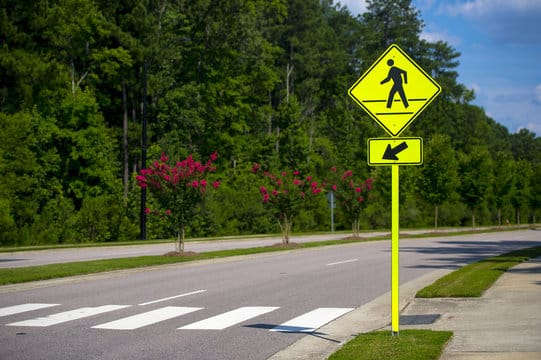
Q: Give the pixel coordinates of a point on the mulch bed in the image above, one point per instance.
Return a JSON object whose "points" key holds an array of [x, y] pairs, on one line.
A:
{"points": [[291, 245], [353, 238], [182, 253]]}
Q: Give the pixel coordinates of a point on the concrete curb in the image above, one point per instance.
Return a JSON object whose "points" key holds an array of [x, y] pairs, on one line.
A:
{"points": [[372, 316], [505, 323]]}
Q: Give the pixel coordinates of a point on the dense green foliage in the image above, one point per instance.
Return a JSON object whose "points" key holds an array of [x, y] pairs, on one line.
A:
{"points": [[257, 80]]}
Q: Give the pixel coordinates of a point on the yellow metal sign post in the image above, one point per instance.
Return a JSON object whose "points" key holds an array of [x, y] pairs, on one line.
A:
{"points": [[394, 91], [395, 268]]}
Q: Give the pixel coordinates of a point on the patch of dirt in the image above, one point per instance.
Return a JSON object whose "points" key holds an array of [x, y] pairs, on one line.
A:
{"points": [[354, 238], [182, 253], [291, 245]]}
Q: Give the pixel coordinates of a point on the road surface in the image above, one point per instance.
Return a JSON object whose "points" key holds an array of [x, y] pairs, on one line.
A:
{"points": [[242, 308]]}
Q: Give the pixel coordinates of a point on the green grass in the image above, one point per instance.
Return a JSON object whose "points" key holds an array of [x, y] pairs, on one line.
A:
{"points": [[408, 345], [474, 279]]}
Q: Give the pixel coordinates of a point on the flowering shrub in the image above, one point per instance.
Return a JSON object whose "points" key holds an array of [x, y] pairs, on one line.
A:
{"points": [[350, 195], [286, 193], [179, 188]]}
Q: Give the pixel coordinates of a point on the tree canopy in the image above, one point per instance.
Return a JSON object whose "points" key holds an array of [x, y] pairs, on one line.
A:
{"points": [[257, 80]]}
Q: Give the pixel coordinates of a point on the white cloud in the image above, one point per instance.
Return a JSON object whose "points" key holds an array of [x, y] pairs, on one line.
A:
{"points": [[481, 8], [356, 7], [476, 88], [514, 22], [433, 36], [535, 128], [537, 94], [509, 104]]}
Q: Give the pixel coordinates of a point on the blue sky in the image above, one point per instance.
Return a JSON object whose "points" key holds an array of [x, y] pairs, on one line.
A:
{"points": [[500, 46]]}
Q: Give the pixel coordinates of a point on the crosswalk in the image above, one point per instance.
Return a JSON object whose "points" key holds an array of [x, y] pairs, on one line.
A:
{"points": [[304, 323]]}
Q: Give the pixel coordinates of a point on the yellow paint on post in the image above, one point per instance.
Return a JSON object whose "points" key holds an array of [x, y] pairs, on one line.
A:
{"points": [[395, 311]]}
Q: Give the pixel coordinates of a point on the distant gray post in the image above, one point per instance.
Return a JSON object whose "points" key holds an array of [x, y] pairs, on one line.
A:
{"points": [[332, 205]]}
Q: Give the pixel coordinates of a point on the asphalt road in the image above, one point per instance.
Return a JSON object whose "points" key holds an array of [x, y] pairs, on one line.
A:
{"points": [[43, 257], [241, 308]]}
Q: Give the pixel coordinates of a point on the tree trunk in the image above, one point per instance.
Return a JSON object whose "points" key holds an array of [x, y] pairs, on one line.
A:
{"points": [[179, 243], [270, 115], [289, 70], [125, 140], [355, 226], [285, 226], [436, 213], [277, 144]]}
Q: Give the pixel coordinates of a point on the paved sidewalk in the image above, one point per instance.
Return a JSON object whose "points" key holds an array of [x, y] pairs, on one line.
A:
{"points": [[503, 324]]}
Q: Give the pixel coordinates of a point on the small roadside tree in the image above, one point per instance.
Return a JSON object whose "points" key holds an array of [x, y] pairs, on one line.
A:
{"points": [[285, 194], [475, 171], [350, 196], [179, 189], [438, 178]]}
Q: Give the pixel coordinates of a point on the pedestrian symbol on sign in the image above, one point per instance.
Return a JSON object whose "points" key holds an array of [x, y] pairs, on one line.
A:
{"points": [[395, 74]]}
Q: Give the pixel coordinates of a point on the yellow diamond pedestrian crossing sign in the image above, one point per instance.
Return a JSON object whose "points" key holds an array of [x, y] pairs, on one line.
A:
{"points": [[394, 90]]}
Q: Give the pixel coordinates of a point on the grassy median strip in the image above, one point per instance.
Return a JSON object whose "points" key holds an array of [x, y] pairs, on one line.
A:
{"points": [[51, 271], [408, 345], [474, 279], [45, 272]]}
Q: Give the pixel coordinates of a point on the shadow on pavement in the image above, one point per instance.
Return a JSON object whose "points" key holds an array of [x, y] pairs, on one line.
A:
{"points": [[467, 251]]}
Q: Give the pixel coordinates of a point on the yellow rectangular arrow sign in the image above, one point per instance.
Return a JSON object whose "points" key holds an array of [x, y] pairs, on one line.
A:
{"points": [[395, 151]]}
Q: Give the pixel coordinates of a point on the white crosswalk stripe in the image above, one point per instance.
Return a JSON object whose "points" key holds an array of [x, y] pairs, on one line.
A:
{"points": [[17, 309], [147, 318], [230, 318], [66, 316], [312, 320], [306, 323]]}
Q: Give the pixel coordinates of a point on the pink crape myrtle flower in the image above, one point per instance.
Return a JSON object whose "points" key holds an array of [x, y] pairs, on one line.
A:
{"points": [[286, 193], [178, 187], [347, 190]]}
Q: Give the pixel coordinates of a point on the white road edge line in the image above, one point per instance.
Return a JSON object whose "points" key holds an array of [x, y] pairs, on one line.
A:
{"points": [[342, 262], [172, 297]]}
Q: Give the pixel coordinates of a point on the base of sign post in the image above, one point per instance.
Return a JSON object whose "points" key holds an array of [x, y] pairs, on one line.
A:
{"points": [[395, 314]]}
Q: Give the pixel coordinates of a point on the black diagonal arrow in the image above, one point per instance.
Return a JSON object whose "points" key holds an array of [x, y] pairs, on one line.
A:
{"points": [[390, 153]]}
